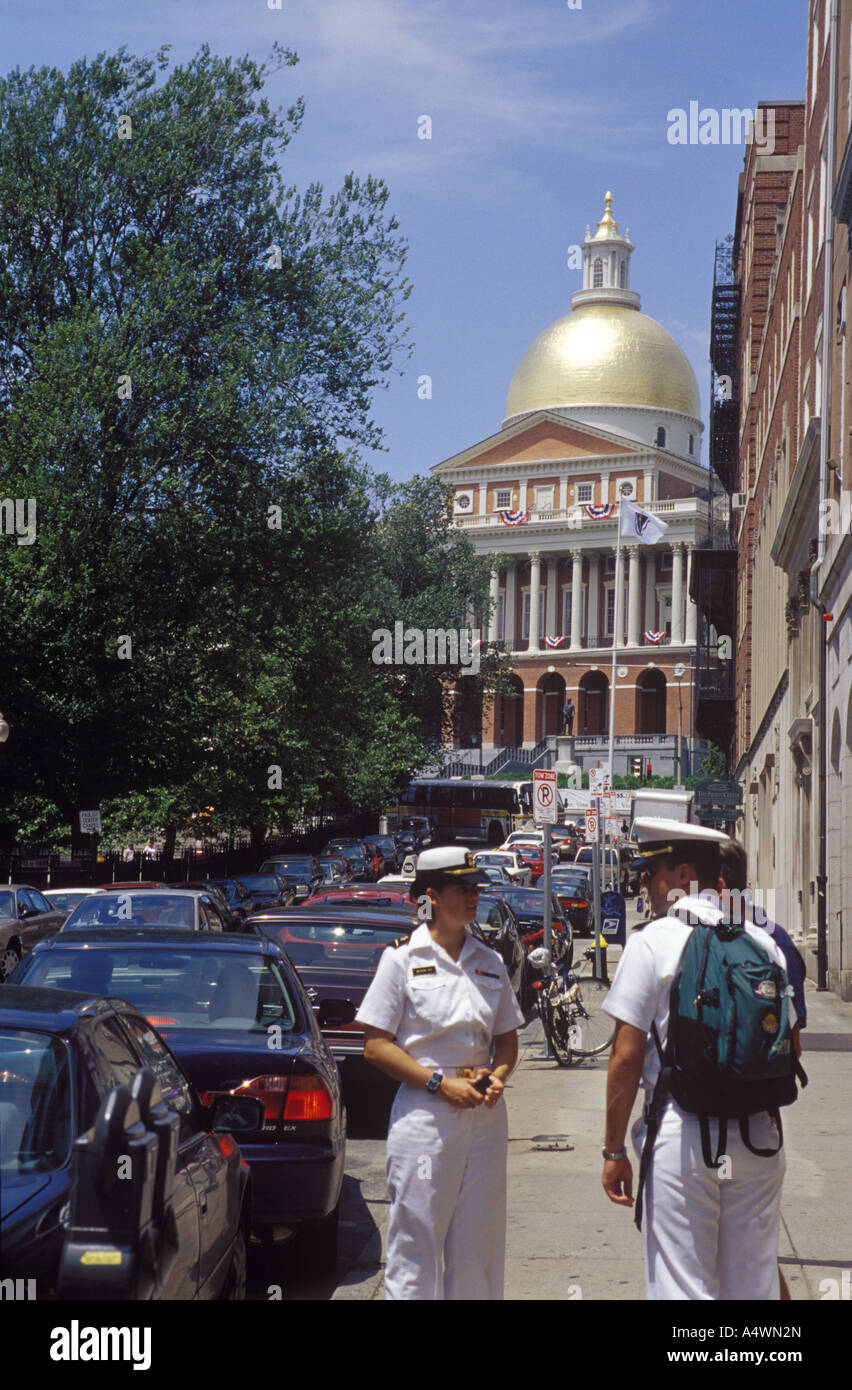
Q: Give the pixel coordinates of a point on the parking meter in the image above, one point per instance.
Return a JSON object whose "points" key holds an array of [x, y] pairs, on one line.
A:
{"points": [[164, 1124], [109, 1251]]}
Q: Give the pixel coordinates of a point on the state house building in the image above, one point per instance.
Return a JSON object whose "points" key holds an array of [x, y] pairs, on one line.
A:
{"points": [[603, 403]]}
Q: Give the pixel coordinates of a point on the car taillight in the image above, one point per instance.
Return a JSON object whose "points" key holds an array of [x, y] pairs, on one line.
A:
{"points": [[272, 1090], [308, 1099], [159, 1022]]}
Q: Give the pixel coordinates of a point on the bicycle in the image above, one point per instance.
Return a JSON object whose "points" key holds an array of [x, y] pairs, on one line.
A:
{"points": [[569, 1006]]}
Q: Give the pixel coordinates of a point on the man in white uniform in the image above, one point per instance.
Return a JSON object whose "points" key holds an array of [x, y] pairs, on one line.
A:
{"points": [[707, 1234], [439, 1015]]}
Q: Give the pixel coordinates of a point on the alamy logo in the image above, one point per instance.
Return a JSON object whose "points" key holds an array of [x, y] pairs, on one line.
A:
{"points": [[17, 1290], [431, 646], [18, 518], [731, 126], [76, 1343], [835, 518]]}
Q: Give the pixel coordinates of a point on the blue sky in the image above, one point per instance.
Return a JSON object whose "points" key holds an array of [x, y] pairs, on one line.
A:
{"points": [[536, 108]]}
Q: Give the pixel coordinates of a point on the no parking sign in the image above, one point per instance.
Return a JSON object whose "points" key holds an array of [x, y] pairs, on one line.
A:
{"points": [[545, 799]]}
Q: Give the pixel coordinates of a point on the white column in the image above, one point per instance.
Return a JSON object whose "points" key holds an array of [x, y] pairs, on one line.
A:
{"points": [[691, 605], [483, 498], [677, 594], [535, 591], [648, 478], [522, 495], [551, 621], [651, 589], [593, 618], [495, 595], [576, 600], [509, 619], [563, 493], [633, 597]]}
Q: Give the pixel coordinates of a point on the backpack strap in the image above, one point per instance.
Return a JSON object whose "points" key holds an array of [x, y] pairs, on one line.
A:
{"points": [[652, 1117], [763, 1153], [706, 1146]]}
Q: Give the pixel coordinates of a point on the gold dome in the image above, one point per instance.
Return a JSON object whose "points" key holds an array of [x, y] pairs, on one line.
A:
{"points": [[604, 354]]}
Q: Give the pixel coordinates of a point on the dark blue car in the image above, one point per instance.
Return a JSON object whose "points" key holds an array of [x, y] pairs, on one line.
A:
{"points": [[62, 1054], [236, 1016]]}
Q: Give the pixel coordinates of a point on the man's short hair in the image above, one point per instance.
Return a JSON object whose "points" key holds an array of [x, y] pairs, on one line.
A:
{"points": [[733, 865], [702, 856]]}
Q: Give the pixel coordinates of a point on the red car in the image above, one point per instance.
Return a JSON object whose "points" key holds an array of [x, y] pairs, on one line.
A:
{"points": [[532, 856], [368, 895]]}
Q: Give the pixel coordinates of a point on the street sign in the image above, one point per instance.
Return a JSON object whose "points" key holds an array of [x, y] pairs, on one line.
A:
{"points": [[90, 822], [605, 804], [612, 827], [545, 800], [599, 780], [591, 827], [623, 802]]}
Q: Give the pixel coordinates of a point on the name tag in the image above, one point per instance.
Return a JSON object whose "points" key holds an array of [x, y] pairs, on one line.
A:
{"points": [[425, 970], [490, 974]]}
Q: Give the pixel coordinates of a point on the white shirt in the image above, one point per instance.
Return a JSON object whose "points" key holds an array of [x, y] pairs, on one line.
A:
{"points": [[443, 1013], [648, 965]]}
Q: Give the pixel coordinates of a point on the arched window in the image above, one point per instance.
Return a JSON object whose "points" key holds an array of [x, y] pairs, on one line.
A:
{"points": [[661, 437], [622, 274], [597, 273]]}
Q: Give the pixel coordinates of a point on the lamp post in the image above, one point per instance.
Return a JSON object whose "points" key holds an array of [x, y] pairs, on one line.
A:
{"points": [[679, 672]]}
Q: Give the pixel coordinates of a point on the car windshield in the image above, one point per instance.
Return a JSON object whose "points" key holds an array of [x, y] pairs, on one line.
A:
{"points": [[179, 987], [133, 910], [35, 1103], [288, 866], [66, 901]]}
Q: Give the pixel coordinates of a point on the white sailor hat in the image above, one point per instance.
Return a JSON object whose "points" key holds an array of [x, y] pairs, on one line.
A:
{"points": [[656, 836], [453, 863]]}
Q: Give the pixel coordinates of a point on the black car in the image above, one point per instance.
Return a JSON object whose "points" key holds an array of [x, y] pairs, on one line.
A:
{"points": [[62, 1054], [234, 1013], [356, 855], [497, 925], [239, 899], [528, 906], [302, 873], [267, 890], [574, 891]]}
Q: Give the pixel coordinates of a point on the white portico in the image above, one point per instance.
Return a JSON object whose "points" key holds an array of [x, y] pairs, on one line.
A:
{"points": [[603, 404]]}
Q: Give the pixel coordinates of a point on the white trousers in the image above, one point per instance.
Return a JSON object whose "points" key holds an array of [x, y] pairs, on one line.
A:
{"points": [[707, 1236], [446, 1174]]}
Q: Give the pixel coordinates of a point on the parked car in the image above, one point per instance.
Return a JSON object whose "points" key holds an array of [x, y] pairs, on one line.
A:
{"points": [[235, 1015], [364, 895], [301, 873], [231, 922], [26, 917], [355, 854], [496, 924], [160, 908], [62, 1054], [528, 907], [376, 859], [239, 899], [267, 890], [336, 952], [495, 873], [335, 869], [66, 899], [573, 889], [532, 855], [391, 852], [509, 860]]}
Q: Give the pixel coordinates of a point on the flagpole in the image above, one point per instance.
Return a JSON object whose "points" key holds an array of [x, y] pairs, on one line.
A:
{"points": [[617, 619]]}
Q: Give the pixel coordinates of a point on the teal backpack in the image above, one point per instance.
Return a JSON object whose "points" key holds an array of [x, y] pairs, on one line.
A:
{"points": [[729, 1052]]}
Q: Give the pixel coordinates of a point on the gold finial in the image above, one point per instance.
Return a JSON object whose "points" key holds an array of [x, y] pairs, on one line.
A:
{"points": [[607, 227]]}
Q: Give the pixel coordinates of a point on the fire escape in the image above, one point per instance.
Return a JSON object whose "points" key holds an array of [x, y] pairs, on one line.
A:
{"points": [[714, 569]]}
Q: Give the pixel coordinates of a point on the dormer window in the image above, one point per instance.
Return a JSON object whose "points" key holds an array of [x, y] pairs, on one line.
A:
{"points": [[661, 437]]}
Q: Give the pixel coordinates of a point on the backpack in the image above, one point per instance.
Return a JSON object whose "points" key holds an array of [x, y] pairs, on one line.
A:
{"points": [[729, 1052]]}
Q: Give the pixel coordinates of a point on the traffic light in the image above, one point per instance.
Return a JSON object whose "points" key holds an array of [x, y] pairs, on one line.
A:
{"points": [[636, 766], [648, 772]]}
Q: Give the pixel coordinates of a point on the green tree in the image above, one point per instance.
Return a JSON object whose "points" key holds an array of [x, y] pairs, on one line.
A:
{"points": [[188, 351]]}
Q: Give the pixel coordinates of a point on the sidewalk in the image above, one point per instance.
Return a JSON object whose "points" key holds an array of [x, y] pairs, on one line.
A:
{"points": [[566, 1241]]}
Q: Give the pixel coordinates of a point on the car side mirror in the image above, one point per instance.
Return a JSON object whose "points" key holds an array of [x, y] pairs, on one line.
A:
{"points": [[333, 1013]]}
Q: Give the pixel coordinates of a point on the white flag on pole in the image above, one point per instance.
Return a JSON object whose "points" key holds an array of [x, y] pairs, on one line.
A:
{"points": [[639, 525]]}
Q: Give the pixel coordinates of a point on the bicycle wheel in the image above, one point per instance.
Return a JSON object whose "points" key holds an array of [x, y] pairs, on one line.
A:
{"points": [[590, 1030], [556, 1029]]}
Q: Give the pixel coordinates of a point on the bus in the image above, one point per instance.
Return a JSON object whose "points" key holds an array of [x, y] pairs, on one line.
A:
{"points": [[463, 809]]}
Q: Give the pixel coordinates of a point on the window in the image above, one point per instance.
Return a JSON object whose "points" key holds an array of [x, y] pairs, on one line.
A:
{"points": [[544, 499], [666, 560], [661, 437], [622, 274], [809, 265], [525, 628], [585, 492], [609, 567], [504, 500], [501, 616], [610, 610], [692, 443], [566, 612], [597, 273]]}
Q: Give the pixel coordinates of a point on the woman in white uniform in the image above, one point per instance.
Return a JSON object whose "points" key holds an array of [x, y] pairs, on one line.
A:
{"points": [[441, 1018]]}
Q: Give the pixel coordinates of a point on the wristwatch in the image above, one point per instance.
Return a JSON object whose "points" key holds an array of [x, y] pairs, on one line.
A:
{"points": [[433, 1085], [622, 1153]]}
